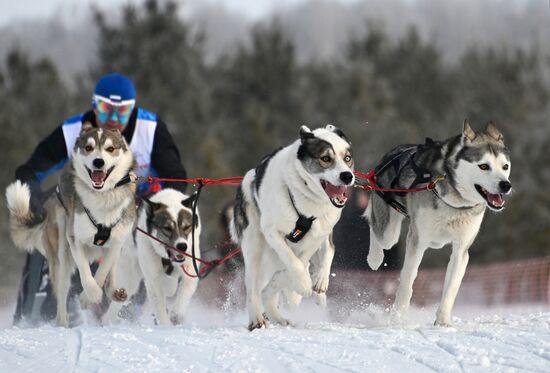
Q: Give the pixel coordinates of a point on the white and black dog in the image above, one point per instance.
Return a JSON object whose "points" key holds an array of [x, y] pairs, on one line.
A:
{"points": [[168, 216], [90, 217], [476, 167], [284, 213]]}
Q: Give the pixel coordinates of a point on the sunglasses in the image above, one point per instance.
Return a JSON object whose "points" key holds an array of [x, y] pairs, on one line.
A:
{"points": [[114, 111]]}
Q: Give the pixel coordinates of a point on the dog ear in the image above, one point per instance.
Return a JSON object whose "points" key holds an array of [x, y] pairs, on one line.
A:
{"points": [[188, 202], [86, 127], [114, 130], [305, 133], [468, 132], [492, 131], [152, 205], [337, 131]]}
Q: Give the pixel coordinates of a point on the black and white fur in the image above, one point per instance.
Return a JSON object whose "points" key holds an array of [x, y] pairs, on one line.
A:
{"points": [[317, 171], [100, 159], [167, 215], [477, 169]]}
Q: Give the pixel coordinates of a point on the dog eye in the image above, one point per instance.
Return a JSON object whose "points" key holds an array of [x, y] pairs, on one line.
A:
{"points": [[506, 167], [186, 227], [326, 159], [347, 158], [110, 149], [89, 148], [484, 166]]}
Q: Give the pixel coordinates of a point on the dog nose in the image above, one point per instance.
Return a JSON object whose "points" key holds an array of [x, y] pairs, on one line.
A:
{"points": [[346, 177], [505, 186], [98, 163], [181, 246]]}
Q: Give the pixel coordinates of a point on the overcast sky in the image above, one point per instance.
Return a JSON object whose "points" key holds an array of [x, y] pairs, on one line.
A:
{"points": [[33, 9]]}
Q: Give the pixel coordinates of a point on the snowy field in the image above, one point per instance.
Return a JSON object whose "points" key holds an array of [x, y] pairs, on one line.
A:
{"points": [[369, 339]]}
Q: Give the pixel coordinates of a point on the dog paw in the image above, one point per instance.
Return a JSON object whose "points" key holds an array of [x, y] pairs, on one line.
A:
{"points": [[375, 258], [92, 294], [176, 319], [119, 295], [321, 285], [259, 323], [321, 299], [443, 322]]}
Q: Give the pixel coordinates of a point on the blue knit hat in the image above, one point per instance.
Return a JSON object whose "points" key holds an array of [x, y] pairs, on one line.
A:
{"points": [[116, 88]]}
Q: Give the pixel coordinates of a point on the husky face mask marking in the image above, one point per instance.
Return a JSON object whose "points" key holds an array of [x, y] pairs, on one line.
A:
{"points": [[483, 167], [327, 155], [103, 157], [171, 225]]}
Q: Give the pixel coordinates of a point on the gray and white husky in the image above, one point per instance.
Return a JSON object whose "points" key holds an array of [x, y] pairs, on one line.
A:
{"points": [[476, 167], [168, 216], [89, 218], [284, 213]]}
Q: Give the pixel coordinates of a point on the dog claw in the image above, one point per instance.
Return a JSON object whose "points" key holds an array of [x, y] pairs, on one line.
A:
{"points": [[120, 295], [259, 324]]}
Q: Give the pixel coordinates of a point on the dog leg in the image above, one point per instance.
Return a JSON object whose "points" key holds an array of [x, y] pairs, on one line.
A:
{"points": [[109, 267], [413, 257], [385, 227], [153, 276], [186, 289], [271, 297], [92, 291], [298, 270], [63, 283], [453, 278], [252, 246], [320, 265]]}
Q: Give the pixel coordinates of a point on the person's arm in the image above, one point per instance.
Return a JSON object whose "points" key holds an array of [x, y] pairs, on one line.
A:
{"points": [[166, 158], [48, 157]]}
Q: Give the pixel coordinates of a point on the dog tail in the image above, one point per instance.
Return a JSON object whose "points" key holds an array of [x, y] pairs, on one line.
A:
{"points": [[24, 234]]}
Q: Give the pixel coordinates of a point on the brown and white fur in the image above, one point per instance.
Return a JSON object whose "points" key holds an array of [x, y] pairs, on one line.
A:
{"points": [[167, 215], [99, 160]]}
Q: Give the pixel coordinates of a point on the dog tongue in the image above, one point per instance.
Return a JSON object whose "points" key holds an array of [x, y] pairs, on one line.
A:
{"points": [[334, 191], [495, 199], [98, 176]]}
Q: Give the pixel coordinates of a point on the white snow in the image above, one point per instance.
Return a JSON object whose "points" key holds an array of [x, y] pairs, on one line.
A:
{"points": [[366, 339]]}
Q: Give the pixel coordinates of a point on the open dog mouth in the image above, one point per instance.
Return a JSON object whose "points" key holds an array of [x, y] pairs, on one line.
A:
{"points": [[98, 177], [494, 201], [176, 256], [338, 194]]}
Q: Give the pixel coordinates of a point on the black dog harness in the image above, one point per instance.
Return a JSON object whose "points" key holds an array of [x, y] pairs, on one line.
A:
{"points": [[103, 232], [303, 224], [423, 175]]}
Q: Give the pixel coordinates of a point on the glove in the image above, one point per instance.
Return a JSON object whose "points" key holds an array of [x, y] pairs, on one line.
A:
{"points": [[38, 213]]}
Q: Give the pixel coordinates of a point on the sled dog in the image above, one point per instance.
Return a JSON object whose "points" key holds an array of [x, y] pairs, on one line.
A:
{"points": [[476, 169], [284, 213], [88, 218], [167, 216]]}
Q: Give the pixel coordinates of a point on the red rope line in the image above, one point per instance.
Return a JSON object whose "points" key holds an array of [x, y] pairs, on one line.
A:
{"points": [[234, 181], [371, 184], [207, 264]]}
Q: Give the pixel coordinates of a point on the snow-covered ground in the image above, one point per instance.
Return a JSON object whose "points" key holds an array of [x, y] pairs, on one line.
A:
{"points": [[369, 339]]}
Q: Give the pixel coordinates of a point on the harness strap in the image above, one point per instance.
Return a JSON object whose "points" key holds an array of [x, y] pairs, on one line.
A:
{"points": [[103, 232], [303, 224], [167, 265], [422, 174], [58, 194]]}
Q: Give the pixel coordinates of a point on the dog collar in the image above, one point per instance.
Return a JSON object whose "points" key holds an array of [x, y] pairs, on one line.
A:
{"points": [[129, 178], [303, 224]]}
